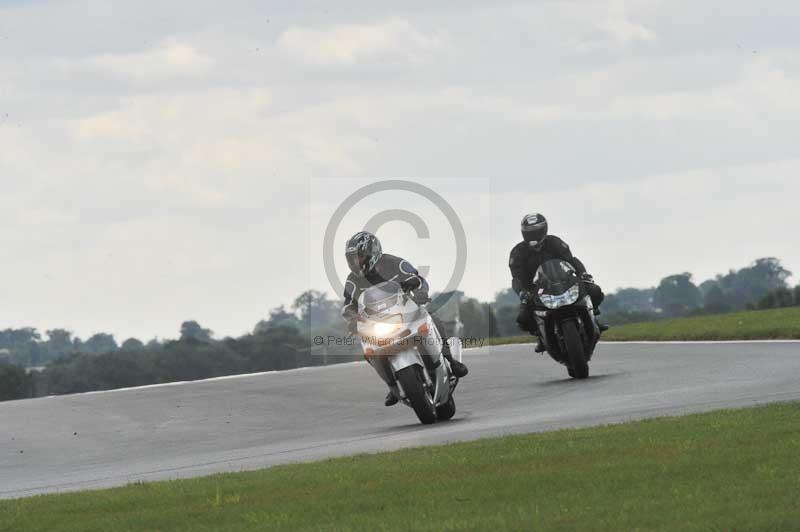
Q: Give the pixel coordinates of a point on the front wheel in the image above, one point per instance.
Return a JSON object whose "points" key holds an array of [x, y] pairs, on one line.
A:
{"points": [[575, 350], [413, 383], [447, 410]]}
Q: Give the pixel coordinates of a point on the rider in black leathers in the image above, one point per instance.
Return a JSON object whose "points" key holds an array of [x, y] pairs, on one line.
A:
{"points": [[536, 248], [370, 266]]}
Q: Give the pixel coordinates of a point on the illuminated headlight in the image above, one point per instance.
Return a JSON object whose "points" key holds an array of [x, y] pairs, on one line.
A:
{"points": [[567, 298], [388, 326]]}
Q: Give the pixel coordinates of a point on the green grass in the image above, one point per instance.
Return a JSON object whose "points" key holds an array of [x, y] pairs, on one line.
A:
{"points": [[509, 340], [729, 470], [772, 324], [752, 325]]}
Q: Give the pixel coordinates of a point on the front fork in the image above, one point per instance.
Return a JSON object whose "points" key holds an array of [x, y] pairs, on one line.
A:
{"points": [[555, 338]]}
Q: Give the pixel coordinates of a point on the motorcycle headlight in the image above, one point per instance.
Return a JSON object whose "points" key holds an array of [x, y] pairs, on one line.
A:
{"points": [[388, 327], [567, 298]]}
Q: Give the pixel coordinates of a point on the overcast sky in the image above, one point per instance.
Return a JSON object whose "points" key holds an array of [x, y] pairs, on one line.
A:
{"points": [[166, 162]]}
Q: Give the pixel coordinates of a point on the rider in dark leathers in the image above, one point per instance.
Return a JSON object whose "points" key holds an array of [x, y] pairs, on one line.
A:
{"points": [[536, 248], [370, 266]]}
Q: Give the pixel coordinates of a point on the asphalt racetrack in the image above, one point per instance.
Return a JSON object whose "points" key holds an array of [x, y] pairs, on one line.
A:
{"points": [[114, 438]]}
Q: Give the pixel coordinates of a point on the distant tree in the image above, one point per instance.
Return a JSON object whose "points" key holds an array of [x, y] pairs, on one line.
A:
{"points": [[24, 346], [189, 359], [707, 286], [750, 284], [100, 343], [154, 345], [714, 300], [278, 317], [59, 342], [797, 295], [132, 344], [639, 300], [77, 345], [192, 330], [506, 298], [677, 295], [278, 348], [262, 327], [15, 337], [492, 327], [315, 309], [15, 383], [778, 298], [784, 297], [478, 318], [84, 372], [506, 318], [766, 302]]}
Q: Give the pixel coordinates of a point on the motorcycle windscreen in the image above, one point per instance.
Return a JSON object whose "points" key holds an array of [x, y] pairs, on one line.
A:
{"points": [[381, 297], [555, 277]]}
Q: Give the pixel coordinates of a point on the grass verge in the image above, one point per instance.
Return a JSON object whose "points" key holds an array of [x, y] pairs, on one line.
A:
{"points": [[729, 470], [774, 324]]}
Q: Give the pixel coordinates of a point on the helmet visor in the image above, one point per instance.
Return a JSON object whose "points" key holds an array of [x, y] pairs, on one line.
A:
{"points": [[357, 262], [535, 234]]}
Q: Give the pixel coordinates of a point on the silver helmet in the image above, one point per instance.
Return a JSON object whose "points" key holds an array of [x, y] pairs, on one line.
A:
{"points": [[363, 252]]}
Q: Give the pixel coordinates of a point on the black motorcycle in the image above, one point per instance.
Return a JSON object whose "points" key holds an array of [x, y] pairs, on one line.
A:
{"points": [[566, 318]]}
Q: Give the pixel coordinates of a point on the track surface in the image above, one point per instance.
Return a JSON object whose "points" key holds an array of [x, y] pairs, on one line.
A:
{"points": [[114, 438]]}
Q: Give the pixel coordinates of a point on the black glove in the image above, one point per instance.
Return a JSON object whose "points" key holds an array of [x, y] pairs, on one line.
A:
{"points": [[420, 297], [524, 297], [587, 278], [411, 284]]}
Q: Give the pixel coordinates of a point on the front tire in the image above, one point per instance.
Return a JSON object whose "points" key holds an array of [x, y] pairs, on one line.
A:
{"points": [[447, 410], [413, 383], [575, 350]]}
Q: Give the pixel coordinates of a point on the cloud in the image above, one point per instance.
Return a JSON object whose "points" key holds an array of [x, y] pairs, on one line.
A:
{"points": [[230, 135], [599, 26], [393, 40], [169, 60], [624, 31]]}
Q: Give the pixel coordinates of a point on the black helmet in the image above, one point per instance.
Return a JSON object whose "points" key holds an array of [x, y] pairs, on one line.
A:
{"points": [[363, 251], [534, 230]]}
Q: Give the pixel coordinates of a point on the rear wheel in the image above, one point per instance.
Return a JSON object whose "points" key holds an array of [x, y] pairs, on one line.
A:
{"points": [[413, 383], [575, 350], [447, 410]]}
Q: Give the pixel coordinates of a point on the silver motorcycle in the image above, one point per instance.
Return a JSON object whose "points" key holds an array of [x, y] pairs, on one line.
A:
{"points": [[402, 344]]}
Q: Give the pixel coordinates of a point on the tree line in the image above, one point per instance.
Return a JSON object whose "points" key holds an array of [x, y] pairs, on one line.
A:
{"points": [[760, 285], [677, 295], [280, 342]]}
